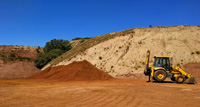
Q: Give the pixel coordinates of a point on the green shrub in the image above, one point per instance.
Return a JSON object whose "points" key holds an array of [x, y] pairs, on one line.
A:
{"points": [[140, 42], [143, 63], [43, 59], [82, 40], [52, 49], [38, 49], [77, 38], [197, 52], [86, 38], [11, 59], [3, 55], [192, 53], [63, 45], [100, 57], [12, 55]]}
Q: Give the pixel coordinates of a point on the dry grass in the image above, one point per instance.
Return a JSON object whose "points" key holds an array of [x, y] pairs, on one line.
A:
{"points": [[80, 48]]}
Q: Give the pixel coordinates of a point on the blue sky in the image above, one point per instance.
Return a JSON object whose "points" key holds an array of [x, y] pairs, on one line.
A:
{"points": [[35, 22]]}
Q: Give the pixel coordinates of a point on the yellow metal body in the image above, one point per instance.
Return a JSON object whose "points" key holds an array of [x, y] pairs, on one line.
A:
{"points": [[181, 71], [176, 71], [153, 69], [147, 60]]}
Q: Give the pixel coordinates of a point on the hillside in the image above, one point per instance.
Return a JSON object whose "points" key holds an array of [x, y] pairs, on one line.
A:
{"points": [[18, 53], [124, 52], [17, 61]]}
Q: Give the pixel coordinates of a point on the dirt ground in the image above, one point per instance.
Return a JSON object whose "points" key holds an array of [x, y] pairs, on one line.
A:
{"points": [[117, 93]]}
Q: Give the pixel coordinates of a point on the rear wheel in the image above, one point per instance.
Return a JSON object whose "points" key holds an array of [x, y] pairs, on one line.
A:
{"points": [[180, 79], [160, 75], [153, 78]]}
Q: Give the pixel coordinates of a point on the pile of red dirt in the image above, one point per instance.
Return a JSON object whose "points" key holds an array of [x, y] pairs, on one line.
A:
{"points": [[15, 70], [76, 71], [194, 69]]}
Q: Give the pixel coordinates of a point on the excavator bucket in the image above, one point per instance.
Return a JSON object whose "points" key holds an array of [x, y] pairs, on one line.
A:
{"points": [[190, 80]]}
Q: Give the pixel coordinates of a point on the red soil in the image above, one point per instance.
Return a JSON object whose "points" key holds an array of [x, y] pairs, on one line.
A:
{"points": [[76, 71]]}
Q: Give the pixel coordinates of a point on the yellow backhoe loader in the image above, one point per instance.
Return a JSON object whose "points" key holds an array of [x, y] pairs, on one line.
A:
{"points": [[162, 68]]}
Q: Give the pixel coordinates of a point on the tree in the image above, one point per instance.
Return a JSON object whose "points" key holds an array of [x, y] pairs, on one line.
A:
{"points": [[43, 59], [52, 49], [63, 45]]}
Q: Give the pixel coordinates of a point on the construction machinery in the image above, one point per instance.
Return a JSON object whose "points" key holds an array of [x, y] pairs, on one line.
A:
{"points": [[162, 68]]}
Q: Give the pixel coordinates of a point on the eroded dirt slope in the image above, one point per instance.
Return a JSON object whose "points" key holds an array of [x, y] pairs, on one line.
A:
{"points": [[17, 61], [127, 54], [18, 53]]}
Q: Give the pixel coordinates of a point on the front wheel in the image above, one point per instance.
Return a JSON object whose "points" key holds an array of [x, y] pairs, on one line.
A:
{"points": [[180, 79]]}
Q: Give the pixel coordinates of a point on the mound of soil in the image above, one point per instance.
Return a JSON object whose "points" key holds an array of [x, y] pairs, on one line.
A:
{"points": [[17, 70], [194, 69], [76, 71]]}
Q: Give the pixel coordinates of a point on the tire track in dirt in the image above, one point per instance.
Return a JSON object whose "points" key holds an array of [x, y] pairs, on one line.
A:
{"points": [[125, 101], [81, 98], [105, 100], [137, 102], [155, 103], [115, 101], [89, 100], [114, 97], [121, 100], [129, 100], [102, 100]]}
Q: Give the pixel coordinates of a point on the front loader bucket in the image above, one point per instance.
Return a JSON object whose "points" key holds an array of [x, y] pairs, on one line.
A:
{"points": [[190, 80]]}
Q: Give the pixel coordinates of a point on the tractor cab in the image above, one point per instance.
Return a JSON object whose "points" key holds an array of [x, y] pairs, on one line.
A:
{"points": [[162, 61]]}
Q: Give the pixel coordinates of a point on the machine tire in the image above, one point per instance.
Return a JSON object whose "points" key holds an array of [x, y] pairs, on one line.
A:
{"points": [[180, 79], [160, 75], [173, 79], [153, 79]]}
